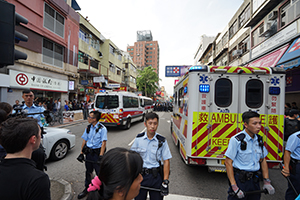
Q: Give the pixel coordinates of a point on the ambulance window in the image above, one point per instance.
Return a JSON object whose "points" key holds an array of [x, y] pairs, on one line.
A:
{"points": [[254, 93], [180, 97], [223, 92], [175, 98]]}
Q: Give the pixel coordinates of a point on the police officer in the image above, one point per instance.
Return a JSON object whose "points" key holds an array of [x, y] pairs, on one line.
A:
{"points": [[245, 160], [153, 148], [292, 165], [38, 155], [93, 146]]}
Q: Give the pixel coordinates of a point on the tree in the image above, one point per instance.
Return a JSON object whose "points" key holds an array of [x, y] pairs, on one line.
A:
{"points": [[146, 80]]}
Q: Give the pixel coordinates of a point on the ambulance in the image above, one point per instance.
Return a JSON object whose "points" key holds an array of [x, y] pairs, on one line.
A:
{"points": [[208, 106], [119, 108]]}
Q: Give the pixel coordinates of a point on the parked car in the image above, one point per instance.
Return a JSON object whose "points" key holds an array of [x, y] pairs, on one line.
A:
{"points": [[57, 142]]}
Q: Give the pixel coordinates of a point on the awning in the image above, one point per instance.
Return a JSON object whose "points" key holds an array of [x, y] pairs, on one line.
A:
{"points": [[269, 60], [291, 58], [75, 5]]}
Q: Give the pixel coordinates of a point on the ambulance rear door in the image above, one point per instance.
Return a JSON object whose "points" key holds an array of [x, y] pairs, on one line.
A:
{"points": [[254, 96], [223, 109]]}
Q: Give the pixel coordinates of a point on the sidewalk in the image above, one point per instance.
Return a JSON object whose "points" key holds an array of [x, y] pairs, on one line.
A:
{"points": [[61, 190]]}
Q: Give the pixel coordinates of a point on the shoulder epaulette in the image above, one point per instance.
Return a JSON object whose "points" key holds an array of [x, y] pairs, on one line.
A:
{"points": [[160, 138], [259, 138], [298, 135], [141, 134], [240, 137]]}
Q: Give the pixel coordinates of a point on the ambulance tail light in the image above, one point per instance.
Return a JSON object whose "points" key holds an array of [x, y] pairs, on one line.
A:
{"points": [[205, 88], [274, 90], [197, 161], [120, 113]]}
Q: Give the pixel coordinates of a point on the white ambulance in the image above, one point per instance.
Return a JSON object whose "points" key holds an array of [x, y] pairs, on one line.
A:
{"points": [[118, 108], [208, 105]]}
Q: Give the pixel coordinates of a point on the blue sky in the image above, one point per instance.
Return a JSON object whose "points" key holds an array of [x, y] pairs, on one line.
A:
{"points": [[176, 24]]}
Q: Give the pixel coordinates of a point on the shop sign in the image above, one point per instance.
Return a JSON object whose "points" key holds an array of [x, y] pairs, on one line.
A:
{"points": [[113, 85], [34, 81], [99, 79], [81, 89], [84, 82]]}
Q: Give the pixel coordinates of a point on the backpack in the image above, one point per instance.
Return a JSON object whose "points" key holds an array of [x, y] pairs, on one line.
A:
{"points": [[290, 126]]}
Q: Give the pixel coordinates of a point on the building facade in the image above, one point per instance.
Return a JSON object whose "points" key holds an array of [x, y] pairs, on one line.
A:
{"points": [[262, 33], [145, 51], [51, 66]]}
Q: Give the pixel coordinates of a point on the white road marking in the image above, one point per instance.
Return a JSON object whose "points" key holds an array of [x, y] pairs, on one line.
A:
{"points": [[180, 197], [169, 121], [134, 138]]}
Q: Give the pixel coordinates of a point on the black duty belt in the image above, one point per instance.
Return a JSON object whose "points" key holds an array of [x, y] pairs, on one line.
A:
{"points": [[246, 175], [154, 170], [295, 160]]}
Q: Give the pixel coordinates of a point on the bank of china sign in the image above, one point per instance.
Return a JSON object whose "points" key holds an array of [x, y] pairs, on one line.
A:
{"points": [[34, 81]]}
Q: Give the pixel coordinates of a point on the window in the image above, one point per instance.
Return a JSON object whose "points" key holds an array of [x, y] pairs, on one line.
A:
{"points": [[118, 71], [82, 36], [244, 17], [245, 45], [82, 57], [151, 44], [132, 68], [94, 64], [254, 93], [223, 92], [225, 39], [107, 101], [112, 68], [130, 102], [120, 57], [111, 50], [233, 29], [180, 97], [289, 11], [256, 33], [231, 57], [53, 53], [54, 21]]}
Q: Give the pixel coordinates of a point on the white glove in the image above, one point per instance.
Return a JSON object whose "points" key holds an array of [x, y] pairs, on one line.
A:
{"points": [[238, 192], [268, 186]]}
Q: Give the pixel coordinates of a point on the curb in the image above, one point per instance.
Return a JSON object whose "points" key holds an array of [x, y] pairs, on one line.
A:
{"points": [[67, 189], [69, 124]]}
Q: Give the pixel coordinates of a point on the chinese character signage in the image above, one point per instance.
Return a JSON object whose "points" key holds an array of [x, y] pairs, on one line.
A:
{"points": [[34, 81]]}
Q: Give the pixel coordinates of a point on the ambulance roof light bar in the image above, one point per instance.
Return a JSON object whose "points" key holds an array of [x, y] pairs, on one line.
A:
{"points": [[198, 68]]}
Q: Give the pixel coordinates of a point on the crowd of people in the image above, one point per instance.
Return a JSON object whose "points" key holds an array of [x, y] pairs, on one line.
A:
{"points": [[124, 174], [163, 106]]}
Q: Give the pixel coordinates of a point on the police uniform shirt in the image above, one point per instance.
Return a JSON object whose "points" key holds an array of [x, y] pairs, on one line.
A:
{"points": [[293, 145], [94, 140], [35, 109], [248, 159], [148, 150]]}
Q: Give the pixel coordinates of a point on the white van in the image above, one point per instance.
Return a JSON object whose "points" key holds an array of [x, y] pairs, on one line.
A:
{"points": [[118, 108], [146, 103]]}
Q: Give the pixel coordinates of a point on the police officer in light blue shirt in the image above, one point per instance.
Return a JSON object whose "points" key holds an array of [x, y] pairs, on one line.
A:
{"points": [[93, 146], [245, 156], [38, 155], [153, 148], [292, 161]]}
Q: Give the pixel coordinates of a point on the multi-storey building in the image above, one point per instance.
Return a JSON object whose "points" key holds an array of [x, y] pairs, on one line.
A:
{"points": [[91, 63], [145, 51], [130, 73], [51, 67], [263, 33], [205, 41]]}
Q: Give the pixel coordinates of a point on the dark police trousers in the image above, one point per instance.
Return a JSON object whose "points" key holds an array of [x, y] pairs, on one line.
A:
{"points": [[150, 181], [295, 179], [90, 165], [247, 186]]}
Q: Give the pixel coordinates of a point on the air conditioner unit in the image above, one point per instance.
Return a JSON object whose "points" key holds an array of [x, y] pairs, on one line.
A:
{"points": [[237, 52], [273, 15]]}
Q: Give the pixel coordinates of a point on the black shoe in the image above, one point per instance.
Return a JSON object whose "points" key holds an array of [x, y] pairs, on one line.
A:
{"points": [[82, 194]]}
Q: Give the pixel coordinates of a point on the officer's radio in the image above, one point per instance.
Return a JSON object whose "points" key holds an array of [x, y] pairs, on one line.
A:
{"points": [[243, 145]]}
